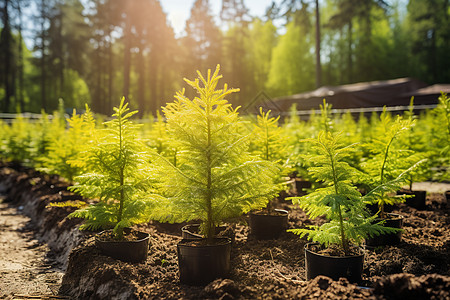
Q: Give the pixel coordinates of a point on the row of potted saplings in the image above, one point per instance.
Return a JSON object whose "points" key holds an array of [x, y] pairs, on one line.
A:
{"points": [[214, 176]]}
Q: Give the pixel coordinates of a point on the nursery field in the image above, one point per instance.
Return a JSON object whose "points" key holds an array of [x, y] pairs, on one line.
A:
{"points": [[205, 203], [417, 268]]}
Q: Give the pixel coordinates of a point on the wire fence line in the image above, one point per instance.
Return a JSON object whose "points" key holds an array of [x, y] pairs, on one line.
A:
{"points": [[363, 109], [34, 117]]}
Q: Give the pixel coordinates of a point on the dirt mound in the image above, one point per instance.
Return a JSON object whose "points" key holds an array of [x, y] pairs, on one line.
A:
{"points": [[407, 286], [32, 192]]}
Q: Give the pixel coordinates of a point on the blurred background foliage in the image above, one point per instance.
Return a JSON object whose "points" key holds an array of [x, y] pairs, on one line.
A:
{"points": [[95, 51]]}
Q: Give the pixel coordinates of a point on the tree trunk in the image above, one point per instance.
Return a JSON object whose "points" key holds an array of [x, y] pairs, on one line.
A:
{"points": [[318, 65], [20, 61], [96, 100], [127, 57], [43, 60], [6, 48], [110, 74], [61, 56], [153, 78], [433, 62], [350, 52], [141, 81]]}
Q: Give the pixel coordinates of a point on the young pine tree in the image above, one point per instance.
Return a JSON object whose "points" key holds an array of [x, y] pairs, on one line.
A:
{"points": [[440, 137], [64, 150], [269, 144], [387, 167], [18, 143], [294, 130], [161, 141], [216, 177], [414, 141], [117, 166], [339, 201]]}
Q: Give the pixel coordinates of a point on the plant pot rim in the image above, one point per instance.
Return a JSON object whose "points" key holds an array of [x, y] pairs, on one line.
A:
{"points": [[332, 257], [189, 242], [394, 215], [188, 227], [127, 230], [412, 191], [263, 213]]}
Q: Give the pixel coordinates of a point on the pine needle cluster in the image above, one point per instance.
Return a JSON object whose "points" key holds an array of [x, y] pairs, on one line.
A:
{"points": [[160, 140], [413, 141], [339, 201], [441, 137], [388, 166], [215, 177], [116, 164], [18, 141], [268, 143], [67, 147]]}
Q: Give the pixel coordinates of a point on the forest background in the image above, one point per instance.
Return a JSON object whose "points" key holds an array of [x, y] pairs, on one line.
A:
{"points": [[96, 51]]}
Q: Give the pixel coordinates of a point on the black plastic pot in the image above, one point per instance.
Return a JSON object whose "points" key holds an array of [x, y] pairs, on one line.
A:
{"points": [[447, 195], [418, 199], [395, 221], [191, 232], [335, 267], [373, 208], [200, 263], [129, 251], [268, 226]]}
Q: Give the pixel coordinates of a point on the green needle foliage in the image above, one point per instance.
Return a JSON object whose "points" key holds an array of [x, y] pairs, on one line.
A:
{"points": [[267, 135], [65, 149], [216, 177], [294, 129], [339, 200], [161, 141], [388, 166], [269, 144], [117, 167], [444, 109], [414, 142], [440, 137], [17, 143]]}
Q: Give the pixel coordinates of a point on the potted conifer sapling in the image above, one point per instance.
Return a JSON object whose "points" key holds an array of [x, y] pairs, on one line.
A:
{"points": [[215, 178], [116, 167], [412, 141], [267, 142], [386, 172], [335, 250]]}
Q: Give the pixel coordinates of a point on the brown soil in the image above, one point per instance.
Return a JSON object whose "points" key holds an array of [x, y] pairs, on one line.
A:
{"points": [[108, 236], [24, 267], [417, 268], [334, 250]]}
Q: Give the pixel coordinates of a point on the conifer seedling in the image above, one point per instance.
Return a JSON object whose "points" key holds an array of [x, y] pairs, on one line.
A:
{"points": [[413, 142], [117, 166], [267, 142], [340, 201], [67, 147], [294, 130], [161, 141], [386, 169], [216, 177], [440, 137]]}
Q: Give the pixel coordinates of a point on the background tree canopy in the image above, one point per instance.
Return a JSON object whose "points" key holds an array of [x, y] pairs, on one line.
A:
{"points": [[95, 51]]}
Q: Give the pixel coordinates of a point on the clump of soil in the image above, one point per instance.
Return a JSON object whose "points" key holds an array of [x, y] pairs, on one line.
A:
{"points": [[25, 269], [108, 236], [273, 269], [334, 250], [270, 269], [408, 286]]}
